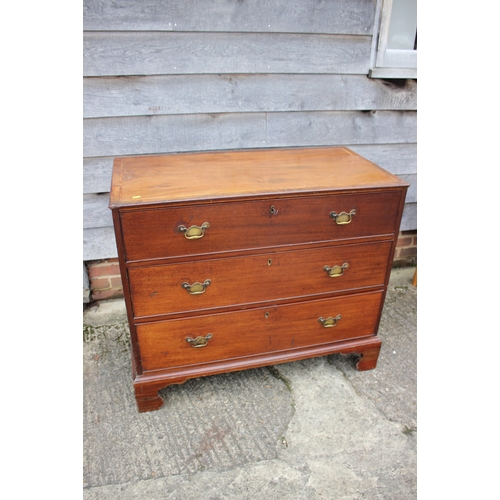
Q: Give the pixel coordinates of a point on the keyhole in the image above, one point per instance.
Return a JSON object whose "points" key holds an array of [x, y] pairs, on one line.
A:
{"points": [[269, 262], [266, 315], [273, 210]]}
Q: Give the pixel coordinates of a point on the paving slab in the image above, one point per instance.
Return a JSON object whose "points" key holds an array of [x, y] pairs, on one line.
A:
{"points": [[314, 429]]}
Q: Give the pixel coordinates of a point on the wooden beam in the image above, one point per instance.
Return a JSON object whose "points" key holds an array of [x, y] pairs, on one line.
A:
{"points": [[188, 94], [286, 16], [163, 53], [170, 133]]}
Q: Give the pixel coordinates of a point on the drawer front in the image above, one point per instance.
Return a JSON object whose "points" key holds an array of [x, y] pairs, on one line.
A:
{"points": [[213, 283], [258, 331], [158, 233]]}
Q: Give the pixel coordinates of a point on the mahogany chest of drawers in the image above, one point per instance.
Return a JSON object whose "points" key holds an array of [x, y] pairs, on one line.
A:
{"points": [[235, 260]]}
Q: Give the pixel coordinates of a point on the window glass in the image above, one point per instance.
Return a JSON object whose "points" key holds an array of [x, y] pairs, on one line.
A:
{"points": [[403, 25]]}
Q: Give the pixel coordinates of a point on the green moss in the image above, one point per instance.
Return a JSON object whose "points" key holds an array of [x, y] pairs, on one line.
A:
{"points": [[89, 333], [408, 431], [106, 338], [276, 374]]}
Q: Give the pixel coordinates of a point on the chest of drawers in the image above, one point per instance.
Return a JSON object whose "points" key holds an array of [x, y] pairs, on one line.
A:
{"points": [[235, 260]]}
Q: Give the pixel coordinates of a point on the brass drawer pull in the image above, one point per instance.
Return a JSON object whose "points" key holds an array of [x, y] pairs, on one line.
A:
{"points": [[196, 288], [329, 322], [194, 232], [336, 271], [199, 341], [343, 217]]}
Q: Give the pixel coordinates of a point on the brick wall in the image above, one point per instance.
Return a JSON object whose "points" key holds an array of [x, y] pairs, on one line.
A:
{"points": [[406, 249], [105, 280]]}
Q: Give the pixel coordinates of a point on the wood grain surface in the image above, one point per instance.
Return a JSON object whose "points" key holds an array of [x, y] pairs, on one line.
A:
{"points": [[287, 16], [172, 53], [246, 333], [249, 224], [233, 174], [143, 135], [273, 276], [237, 93]]}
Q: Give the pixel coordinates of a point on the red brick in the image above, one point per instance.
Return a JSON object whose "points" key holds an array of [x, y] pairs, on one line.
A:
{"points": [[116, 282], [107, 294], [408, 252], [404, 241], [103, 269], [99, 283]]}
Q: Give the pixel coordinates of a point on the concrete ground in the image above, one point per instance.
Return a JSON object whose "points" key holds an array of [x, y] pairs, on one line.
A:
{"points": [[315, 429]]}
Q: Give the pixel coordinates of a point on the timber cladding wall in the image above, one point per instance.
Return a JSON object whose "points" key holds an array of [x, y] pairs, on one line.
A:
{"points": [[183, 75]]}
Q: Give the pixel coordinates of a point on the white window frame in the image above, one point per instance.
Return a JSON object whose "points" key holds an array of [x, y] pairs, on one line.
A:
{"points": [[389, 63]]}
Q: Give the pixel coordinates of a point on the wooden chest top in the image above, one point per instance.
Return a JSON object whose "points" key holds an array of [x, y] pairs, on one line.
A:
{"points": [[201, 177]]}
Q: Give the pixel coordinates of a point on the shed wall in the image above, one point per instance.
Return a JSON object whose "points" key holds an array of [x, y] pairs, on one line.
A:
{"points": [[182, 75]]}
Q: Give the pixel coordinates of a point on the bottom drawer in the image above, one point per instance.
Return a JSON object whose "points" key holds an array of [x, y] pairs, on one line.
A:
{"points": [[237, 334]]}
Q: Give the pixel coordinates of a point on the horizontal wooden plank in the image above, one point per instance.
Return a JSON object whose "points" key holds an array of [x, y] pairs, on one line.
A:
{"points": [[409, 220], [163, 53], [396, 158], [95, 211], [174, 133], [340, 128], [97, 174], [411, 195], [99, 243], [185, 94], [289, 16]]}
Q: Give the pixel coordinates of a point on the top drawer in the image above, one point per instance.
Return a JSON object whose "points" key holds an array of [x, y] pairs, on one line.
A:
{"points": [[225, 226]]}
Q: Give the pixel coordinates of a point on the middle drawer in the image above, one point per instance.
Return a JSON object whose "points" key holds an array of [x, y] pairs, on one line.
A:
{"points": [[214, 283]]}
